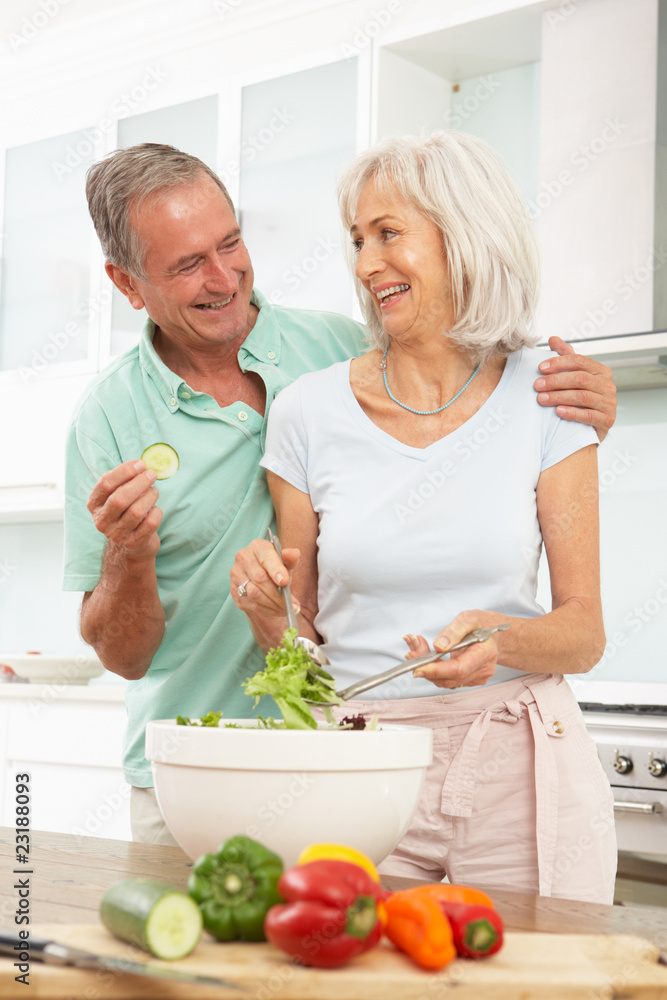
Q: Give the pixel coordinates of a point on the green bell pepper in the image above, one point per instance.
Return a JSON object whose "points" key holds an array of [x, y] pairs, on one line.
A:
{"points": [[235, 888]]}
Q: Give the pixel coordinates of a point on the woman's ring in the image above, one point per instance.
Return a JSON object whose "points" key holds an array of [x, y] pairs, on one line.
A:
{"points": [[241, 591]]}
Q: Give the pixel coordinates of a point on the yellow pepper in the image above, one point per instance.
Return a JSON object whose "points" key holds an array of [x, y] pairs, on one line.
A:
{"points": [[338, 852]]}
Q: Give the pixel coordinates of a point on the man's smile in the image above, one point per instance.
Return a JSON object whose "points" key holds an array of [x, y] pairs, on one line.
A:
{"points": [[215, 305]]}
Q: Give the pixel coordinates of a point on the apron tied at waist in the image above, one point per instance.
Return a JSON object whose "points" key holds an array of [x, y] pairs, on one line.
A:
{"points": [[459, 786]]}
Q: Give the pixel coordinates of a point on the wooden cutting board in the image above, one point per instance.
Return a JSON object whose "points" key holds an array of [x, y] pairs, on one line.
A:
{"points": [[554, 966]]}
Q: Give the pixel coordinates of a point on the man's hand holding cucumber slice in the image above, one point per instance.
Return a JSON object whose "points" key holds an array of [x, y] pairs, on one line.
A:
{"points": [[124, 508]]}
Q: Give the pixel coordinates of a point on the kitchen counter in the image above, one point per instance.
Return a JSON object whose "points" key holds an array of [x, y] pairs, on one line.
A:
{"points": [[569, 950], [71, 873], [42, 695]]}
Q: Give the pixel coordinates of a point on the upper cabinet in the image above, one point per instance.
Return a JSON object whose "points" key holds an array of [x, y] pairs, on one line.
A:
{"points": [[296, 131], [191, 126], [481, 77], [574, 99], [46, 309], [571, 96]]}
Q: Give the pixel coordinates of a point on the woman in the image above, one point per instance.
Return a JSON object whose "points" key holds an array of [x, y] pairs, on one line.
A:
{"points": [[418, 483]]}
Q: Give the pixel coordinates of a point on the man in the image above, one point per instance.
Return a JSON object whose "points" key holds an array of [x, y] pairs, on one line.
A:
{"points": [[212, 357]]}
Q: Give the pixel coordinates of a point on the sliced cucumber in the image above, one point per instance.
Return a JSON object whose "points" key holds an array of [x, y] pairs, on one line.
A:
{"points": [[153, 916], [162, 459]]}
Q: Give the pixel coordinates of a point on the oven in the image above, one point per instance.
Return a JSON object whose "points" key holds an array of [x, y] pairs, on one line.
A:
{"points": [[630, 732]]}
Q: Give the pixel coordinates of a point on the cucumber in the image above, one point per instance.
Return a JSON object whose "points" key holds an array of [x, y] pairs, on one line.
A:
{"points": [[153, 916], [161, 458]]}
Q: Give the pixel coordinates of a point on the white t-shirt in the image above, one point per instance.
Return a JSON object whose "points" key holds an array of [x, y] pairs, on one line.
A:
{"points": [[410, 537]]}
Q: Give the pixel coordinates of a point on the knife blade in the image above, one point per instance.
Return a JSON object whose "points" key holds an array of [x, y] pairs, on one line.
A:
{"points": [[54, 953]]}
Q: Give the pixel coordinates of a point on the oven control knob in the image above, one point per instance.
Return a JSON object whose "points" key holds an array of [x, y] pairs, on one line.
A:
{"points": [[657, 767], [622, 764]]}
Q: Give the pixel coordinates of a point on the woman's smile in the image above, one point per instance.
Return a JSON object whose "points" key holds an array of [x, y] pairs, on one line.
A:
{"points": [[401, 262]]}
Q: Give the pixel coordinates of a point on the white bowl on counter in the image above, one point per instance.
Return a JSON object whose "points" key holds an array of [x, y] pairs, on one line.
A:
{"points": [[288, 788], [42, 668]]}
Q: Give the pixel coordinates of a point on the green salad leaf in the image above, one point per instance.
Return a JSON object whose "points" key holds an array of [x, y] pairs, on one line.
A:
{"points": [[210, 719], [289, 677]]}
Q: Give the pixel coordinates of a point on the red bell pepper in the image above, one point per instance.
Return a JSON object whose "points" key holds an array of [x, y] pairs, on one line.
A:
{"points": [[477, 930], [330, 914]]}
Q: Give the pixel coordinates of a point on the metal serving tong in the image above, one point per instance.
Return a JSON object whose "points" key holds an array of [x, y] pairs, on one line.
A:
{"points": [[478, 635], [317, 655]]}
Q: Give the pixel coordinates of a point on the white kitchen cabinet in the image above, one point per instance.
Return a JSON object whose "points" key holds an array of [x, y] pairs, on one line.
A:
{"points": [[47, 232], [480, 77], [296, 130], [68, 738], [191, 126]]}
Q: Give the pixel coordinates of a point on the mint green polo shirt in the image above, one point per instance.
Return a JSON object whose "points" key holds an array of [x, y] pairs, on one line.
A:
{"points": [[215, 504]]}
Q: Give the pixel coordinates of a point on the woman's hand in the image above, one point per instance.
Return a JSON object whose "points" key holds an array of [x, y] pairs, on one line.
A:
{"points": [[260, 572], [471, 666]]}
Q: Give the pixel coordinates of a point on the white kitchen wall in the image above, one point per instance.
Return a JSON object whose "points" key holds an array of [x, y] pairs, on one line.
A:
{"points": [[35, 613], [632, 465], [633, 505]]}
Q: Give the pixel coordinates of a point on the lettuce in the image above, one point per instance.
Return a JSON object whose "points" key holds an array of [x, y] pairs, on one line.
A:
{"points": [[290, 677]]}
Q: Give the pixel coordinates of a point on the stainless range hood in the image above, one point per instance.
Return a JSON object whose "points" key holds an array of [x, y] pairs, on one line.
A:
{"points": [[637, 360]]}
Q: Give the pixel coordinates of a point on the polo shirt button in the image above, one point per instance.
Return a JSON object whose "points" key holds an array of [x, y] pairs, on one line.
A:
{"points": [[185, 395], [173, 401], [243, 415], [271, 355]]}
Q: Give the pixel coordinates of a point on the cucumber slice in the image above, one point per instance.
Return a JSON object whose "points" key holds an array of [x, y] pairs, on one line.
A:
{"points": [[153, 916], [161, 458]]}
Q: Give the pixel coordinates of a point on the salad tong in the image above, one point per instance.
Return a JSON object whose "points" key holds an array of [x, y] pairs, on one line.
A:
{"points": [[317, 655], [477, 635]]}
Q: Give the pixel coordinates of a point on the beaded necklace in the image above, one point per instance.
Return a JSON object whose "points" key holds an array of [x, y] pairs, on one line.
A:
{"points": [[421, 413]]}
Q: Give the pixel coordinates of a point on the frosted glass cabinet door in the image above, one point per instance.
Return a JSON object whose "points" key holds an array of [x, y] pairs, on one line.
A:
{"points": [[296, 132], [192, 127], [45, 291]]}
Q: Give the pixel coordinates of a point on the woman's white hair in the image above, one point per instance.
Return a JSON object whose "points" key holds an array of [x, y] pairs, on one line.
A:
{"points": [[489, 241]]}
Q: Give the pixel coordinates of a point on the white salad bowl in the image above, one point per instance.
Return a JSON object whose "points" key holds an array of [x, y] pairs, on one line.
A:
{"points": [[288, 788]]}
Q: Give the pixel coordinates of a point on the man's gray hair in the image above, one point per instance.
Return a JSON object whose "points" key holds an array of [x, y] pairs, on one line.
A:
{"points": [[118, 184], [489, 241]]}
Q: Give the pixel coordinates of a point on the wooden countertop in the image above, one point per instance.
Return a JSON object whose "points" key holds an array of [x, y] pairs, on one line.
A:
{"points": [[70, 874]]}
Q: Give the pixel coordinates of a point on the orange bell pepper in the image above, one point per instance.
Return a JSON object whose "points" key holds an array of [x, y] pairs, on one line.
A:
{"points": [[457, 893], [417, 926]]}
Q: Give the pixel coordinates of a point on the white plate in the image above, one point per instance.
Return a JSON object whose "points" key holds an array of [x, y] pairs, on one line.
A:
{"points": [[39, 668]]}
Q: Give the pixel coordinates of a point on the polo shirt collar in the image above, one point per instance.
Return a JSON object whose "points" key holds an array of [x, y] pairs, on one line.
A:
{"points": [[167, 382], [262, 344]]}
